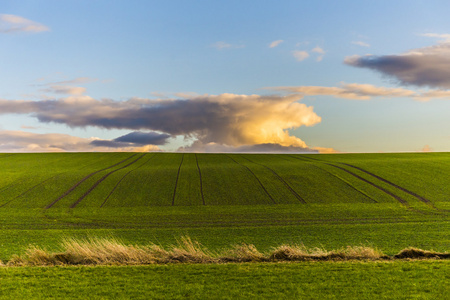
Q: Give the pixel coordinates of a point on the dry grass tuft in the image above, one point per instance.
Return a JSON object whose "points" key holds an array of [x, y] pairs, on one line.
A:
{"points": [[414, 253], [189, 251], [290, 253], [301, 253], [243, 253], [103, 251]]}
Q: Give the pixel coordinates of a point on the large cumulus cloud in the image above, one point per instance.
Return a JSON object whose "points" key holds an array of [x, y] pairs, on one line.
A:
{"points": [[227, 119], [424, 67]]}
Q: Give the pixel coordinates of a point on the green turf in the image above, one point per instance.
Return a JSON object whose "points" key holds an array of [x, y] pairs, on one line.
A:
{"points": [[343, 280]]}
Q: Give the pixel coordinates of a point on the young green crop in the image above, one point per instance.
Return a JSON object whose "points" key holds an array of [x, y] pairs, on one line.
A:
{"points": [[346, 280]]}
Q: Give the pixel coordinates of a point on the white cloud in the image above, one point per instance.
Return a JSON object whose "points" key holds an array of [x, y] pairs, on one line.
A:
{"points": [[275, 43], [12, 23], [300, 55], [320, 51], [443, 37], [223, 45], [361, 43]]}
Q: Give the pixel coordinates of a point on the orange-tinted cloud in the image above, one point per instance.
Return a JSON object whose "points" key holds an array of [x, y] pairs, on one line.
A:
{"points": [[352, 91], [226, 119]]}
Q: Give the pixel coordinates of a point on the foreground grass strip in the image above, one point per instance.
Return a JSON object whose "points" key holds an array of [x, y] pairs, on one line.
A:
{"points": [[400, 279], [96, 251]]}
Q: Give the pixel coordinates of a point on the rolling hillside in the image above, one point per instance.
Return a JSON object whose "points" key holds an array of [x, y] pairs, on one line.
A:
{"points": [[74, 180]]}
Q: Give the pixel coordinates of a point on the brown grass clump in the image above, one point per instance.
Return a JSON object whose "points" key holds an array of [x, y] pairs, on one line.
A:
{"points": [[301, 253], [290, 253], [243, 253], [414, 253], [110, 251], [189, 251]]}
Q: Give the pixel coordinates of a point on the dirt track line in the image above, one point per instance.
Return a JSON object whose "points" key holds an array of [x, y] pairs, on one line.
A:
{"points": [[200, 174], [393, 184], [123, 177], [399, 199], [260, 183], [101, 180], [420, 198], [83, 180], [299, 198], [345, 182], [176, 181]]}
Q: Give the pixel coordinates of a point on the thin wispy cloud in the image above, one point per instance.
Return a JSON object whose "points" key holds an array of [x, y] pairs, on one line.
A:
{"points": [[13, 24], [65, 90], [275, 43], [223, 45], [356, 91], [361, 43], [79, 80], [443, 37]]}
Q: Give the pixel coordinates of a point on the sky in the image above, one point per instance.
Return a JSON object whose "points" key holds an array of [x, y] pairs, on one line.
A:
{"points": [[225, 76]]}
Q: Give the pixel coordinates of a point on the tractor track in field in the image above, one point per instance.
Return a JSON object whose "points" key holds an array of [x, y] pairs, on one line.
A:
{"points": [[417, 196], [299, 198], [83, 180], [123, 177], [398, 198], [420, 198], [101, 180], [260, 183], [200, 175], [176, 181], [342, 180]]}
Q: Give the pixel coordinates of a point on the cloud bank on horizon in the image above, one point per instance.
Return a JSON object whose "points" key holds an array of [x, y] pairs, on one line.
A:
{"points": [[213, 121]]}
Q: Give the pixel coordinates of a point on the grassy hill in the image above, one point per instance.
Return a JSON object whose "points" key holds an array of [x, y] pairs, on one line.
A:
{"points": [[72, 180]]}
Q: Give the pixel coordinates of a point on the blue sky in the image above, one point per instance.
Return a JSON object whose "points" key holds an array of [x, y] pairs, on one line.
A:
{"points": [[347, 76]]}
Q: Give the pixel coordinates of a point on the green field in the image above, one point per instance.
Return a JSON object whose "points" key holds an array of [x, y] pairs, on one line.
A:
{"points": [[386, 201]]}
